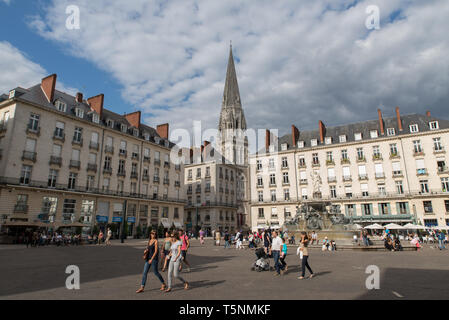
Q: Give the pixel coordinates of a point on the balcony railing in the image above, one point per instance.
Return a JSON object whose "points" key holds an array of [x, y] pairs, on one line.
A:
{"points": [[418, 152], [177, 167], [394, 155], [146, 159], [123, 153], [380, 175], [74, 164], [331, 179], [166, 164], [92, 167], [134, 175], [28, 155], [21, 208], [135, 156], [31, 130], [107, 170], [421, 172], [166, 181], [302, 181], [94, 145], [55, 160], [121, 173], [145, 177], [64, 187], [345, 161], [58, 135], [377, 157], [361, 159], [156, 179], [363, 177], [439, 150], [214, 204], [78, 142], [157, 162], [347, 178], [177, 183], [109, 149]]}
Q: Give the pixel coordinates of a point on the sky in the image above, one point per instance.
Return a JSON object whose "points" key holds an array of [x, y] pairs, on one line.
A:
{"points": [[297, 61]]}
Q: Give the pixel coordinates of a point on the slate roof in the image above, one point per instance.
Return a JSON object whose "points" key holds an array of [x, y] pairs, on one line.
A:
{"points": [[364, 127], [36, 95]]}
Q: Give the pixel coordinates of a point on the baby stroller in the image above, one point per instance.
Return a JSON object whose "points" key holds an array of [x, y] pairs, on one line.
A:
{"points": [[262, 263]]}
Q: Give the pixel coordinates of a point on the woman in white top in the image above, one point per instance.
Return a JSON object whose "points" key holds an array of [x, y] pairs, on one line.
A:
{"points": [[175, 260]]}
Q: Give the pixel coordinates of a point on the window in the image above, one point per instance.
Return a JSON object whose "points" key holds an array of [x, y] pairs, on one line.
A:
{"points": [[384, 208], [360, 154], [445, 184], [25, 175], [364, 188], [75, 155], [393, 150], [329, 157], [333, 191], [414, 128], [362, 172], [286, 194], [350, 210], [198, 173], [381, 189], [92, 158], [33, 123], [87, 210], [302, 161], [284, 162], [427, 206], [344, 154], [300, 144], [396, 168], [285, 178], [107, 162], [373, 134], [379, 170], [273, 195], [376, 152], [315, 159], [346, 173], [424, 186], [72, 181], [106, 184], [342, 138], [49, 205], [123, 128], [399, 187], [304, 194], [95, 118], [420, 167], [261, 214], [77, 136], [433, 125], [357, 136], [437, 146], [189, 174], [90, 184], [367, 209], [283, 147], [348, 191], [110, 123], [271, 164], [61, 106], [259, 165], [390, 132], [417, 146], [57, 150], [446, 206], [274, 213], [328, 140], [260, 196], [79, 112], [402, 207], [272, 179], [207, 171], [68, 210], [52, 177], [314, 142], [121, 166], [59, 131], [122, 147], [259, 181]]}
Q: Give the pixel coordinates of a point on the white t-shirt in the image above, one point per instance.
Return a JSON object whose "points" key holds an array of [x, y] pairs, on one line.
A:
{"points": [[276, 244], [174, 250]]}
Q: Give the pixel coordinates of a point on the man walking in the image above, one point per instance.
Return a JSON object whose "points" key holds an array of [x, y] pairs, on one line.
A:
{"points": [[276, 252], [441, 238], [226, 239]]}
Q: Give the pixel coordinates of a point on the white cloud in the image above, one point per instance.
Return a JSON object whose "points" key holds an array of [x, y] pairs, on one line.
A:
{"points": [[300, 61], [19, 71]]}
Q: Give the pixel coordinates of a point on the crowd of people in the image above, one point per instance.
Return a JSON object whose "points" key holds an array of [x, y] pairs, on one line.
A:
{"points": [[39, 239]]}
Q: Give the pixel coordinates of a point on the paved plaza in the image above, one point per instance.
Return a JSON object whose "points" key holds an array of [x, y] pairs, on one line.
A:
{"points": [[114, 272]]}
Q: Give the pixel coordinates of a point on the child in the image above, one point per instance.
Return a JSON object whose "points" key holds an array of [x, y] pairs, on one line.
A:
{"points": [[283, 255]]}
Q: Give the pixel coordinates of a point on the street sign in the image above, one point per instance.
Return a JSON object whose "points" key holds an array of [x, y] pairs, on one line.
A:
{"points": [[131, 219], [102, 218], [117, 219]]}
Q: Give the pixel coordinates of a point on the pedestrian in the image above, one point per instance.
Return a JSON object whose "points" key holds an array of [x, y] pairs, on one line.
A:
{"points": [[441, 238], [266, 240], [166, 251], [175, 262], [226, 239], [151, 257], [283, 255], [305, 256], [314, 237], [100, 237], [201, 236], [217, 238], [185, 244], [276, 251], [108, 236]]}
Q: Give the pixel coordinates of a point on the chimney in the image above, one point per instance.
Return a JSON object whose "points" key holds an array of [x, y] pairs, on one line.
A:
{"points": [[267, 140], [48, 85], [79, 97], [428, 113], [398, 116], [295, 135], [381, 122], [162, 130], [322, 131], [96, 103], [133, 119]]}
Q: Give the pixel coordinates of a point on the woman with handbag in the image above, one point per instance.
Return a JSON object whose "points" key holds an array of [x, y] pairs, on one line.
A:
{"points": [[150, 256], [305, 256]]}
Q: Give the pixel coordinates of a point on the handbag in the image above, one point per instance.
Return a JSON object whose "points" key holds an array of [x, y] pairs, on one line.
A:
{"points": [[145, 255]]}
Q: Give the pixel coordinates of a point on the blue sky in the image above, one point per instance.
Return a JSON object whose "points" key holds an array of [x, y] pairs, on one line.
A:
{"points": [[297, 61]]}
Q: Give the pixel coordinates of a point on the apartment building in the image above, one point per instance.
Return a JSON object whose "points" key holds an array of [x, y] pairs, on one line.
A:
{"points": [[386, 170], [67, 161]]}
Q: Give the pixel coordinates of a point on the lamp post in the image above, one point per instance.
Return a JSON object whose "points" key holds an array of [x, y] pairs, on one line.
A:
{"points": [[122, 231]]}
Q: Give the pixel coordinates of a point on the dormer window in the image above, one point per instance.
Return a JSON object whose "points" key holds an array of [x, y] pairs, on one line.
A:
{"points": [[135, 132], [358, 136], [271, 148], [95, 118], [166, 143], [390, 132], [373, 134], [342, 138], [146, 136], [79, 112], [433, 125], [284, 147], [328, 140], [12, 94], [414, 128], [61, 106], [110, 123], [314, 142], [157, 139], [123, 128], [300, 144]]}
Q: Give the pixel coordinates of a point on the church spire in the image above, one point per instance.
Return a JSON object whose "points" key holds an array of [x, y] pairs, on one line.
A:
{"points": [[231, 94]]}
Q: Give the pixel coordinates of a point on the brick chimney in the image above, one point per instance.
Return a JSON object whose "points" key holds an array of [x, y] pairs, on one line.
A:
{"points": [[398, 116], [162, 130], [133, 119], [96, 103], [322, 131], [428, 113], [267, 140], [381, 122], [48, 85], [79, 97], [295, 135]]}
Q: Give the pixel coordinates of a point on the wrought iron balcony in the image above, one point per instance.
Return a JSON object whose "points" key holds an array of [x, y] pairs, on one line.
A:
{"points": [[78, 142], [33, 130], [92, 167], [146, 159], [21, 208], [55, 160], [109, 149], [121, 173], [134, 175], [107, 170], [74, 164], [94, 145], [28, 155]]}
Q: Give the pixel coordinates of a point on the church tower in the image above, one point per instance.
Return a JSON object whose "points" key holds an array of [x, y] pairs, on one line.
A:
{"points": [[232, 124]]}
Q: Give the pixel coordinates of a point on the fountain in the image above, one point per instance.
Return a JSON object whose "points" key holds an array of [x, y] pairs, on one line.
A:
{"points": [[322, 217]]}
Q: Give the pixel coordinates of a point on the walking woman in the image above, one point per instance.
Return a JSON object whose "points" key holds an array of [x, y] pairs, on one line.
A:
{"points": [[305, 256], [151, 260], [175, 260], [166, 252], [283, 255]]}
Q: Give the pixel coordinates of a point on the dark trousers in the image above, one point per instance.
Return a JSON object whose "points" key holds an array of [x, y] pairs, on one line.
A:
{"points": [[282, 260], [304, 265], [147, 267]]}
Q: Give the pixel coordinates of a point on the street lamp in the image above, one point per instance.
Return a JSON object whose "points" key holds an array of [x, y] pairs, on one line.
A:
{"points": [[122, 231]]}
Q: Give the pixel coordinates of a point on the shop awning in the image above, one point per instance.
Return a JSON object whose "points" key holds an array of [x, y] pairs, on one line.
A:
{"points": [[166, 224], [178, 224], [262, 226]]}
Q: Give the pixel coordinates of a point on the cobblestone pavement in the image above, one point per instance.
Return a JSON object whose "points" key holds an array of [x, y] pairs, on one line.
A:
{"points": [[114, 272]]}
